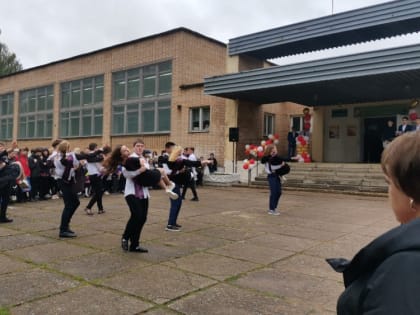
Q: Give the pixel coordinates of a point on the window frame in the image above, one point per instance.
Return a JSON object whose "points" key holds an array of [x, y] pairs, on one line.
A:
{"points": [[72, 110], [122, 101], [38, 116], [201, 120], [267, 116], [6, 118]]}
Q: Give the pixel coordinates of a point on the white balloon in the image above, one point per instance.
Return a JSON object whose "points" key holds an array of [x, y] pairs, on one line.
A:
{"points": [[270, 136], [306, 138], [276, 141], [247, 147], [260, 149]]}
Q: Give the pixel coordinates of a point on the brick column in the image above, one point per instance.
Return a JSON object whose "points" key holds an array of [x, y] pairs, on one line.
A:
{"points": [[15, 131], [107, 109]]}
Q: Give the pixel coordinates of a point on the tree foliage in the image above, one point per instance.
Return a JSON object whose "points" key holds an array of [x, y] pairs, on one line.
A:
{"points": [[8, 61]]}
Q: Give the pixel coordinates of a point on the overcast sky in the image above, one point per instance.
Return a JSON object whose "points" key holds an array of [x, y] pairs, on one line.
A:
{"points": [[42, 31]]}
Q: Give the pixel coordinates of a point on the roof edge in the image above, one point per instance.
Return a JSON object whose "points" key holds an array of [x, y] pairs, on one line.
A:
{"points": [[138, 40]]}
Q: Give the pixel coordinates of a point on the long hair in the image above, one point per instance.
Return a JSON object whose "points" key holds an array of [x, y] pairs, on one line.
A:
{"points": [[113, 160], [63, 147], [268, 149], [176, 151]]}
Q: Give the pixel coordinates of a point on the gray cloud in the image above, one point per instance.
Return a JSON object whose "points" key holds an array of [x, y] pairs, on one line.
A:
{"points": [[42, 31]]}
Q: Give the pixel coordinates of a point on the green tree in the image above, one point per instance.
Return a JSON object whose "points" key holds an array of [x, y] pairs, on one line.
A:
{"points": [[8, 61]]}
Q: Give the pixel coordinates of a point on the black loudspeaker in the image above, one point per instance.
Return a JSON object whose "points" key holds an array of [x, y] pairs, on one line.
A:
{"points": [[233, 134]]}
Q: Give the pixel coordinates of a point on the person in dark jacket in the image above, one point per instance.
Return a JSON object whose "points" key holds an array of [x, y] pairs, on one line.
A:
{"points": [[384, 277], [404, 127], [179, 174], [34, 162], [291, 139], [274, 165], [9, 173]]}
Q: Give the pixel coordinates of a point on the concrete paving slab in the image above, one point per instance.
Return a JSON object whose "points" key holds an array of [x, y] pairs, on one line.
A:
{"points": [[215, 266], [230, 234], [158, 283], [32, 284], [103, 241], [229, 300], [252, 253], [8, 232], [313, 290], [284, 242], [308, 265], [9, 265], [193, 241], [98, 265], [50, 252], [21, 240], [84, 300]]}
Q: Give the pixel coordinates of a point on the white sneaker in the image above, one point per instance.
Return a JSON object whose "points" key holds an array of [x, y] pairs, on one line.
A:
{"points": [[171, 186], [54, 197], [171, 194], [273, 212]]}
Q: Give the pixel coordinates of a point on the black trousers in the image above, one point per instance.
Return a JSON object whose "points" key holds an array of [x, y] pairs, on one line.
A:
{"points": [[71, 202], [4, 199], [35, 186], [138, 209], [190, 184], [98, 192], [45, 185]]}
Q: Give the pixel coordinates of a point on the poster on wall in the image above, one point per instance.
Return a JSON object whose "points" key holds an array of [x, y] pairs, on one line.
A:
{"points": [[334, 132], [351, 131]]}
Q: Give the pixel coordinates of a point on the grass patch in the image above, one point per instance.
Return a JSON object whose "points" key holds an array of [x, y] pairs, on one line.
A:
{"points": [[4, 311]]}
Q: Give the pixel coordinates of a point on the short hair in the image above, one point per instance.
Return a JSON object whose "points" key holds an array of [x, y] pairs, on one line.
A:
{"points": [[404, 117], [138, 141], [401, 163], [169, 144], [92, 146]]}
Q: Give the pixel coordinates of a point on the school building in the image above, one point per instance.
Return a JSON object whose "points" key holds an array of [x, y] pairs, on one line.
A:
{"points": [[351, 97], [152, 88]]}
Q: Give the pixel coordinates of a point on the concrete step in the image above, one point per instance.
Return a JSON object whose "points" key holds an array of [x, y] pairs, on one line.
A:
{"points": [[340, 177]]}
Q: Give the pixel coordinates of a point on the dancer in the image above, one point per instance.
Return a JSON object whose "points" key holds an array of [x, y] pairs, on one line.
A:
{"points": [[9, 173], [65, 163], [275, 167], [180, 174], [136, 196], [94, 167]]}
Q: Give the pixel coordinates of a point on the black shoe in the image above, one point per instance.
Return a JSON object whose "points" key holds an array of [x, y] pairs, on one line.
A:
{"points": [[67, 234], [172, 228], [139, 249], [194, 199], [178, 226], [6, 220], [124, 244]]}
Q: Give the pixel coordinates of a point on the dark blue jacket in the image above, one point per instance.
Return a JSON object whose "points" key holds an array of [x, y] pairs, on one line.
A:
{"points": [[383, 277]]}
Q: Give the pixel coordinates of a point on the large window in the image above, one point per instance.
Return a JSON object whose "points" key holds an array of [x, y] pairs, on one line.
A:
{"points": [[6, 116], [147, 117], [142, 99], [81, 112], [36, 113], [200, 119], [268, 124]]}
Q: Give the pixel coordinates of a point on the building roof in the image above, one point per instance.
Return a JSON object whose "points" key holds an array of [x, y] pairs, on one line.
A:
{"points": [[387, 74], [356, 26], [170, 32]]}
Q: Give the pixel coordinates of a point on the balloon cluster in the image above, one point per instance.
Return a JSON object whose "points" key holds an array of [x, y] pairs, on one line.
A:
{"points": [[257, 151], [412, 113], [302, 144], [306, 119]]}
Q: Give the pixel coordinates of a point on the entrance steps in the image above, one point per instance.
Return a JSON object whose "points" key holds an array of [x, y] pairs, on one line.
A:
{"points": [[338, 177]]}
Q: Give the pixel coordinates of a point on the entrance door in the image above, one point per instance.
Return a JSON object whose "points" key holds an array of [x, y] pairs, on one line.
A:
{"points": [[372, 139]]}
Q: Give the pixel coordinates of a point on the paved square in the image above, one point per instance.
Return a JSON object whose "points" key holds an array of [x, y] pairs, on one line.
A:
{"points": [[231, 257]]}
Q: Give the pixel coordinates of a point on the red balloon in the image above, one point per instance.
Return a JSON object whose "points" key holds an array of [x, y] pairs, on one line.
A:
{"points": [[268, 142], [245, 166], [307, 118], [276, 136], [413, 116], [251, 161], [306, 126], [300, 138], [260, 154], [303, 142]]}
